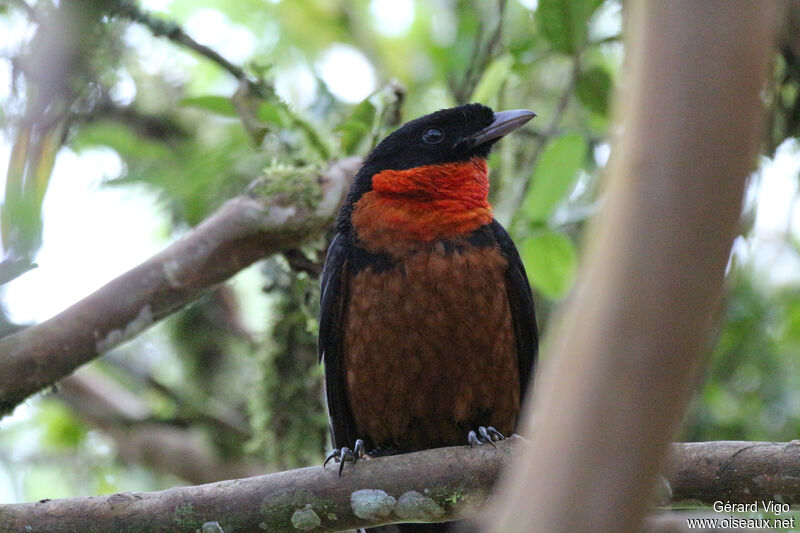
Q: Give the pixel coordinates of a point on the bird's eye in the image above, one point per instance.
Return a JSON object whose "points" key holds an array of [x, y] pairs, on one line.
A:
{"points": [[433, 136]]}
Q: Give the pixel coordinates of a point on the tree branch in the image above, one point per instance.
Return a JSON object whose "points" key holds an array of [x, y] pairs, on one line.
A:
{"points": [[160, 127], [433, 485], [738, 471], [482, 54], [173, 32], [244, 230], [183, 451], [623, 353], [219, 416]]}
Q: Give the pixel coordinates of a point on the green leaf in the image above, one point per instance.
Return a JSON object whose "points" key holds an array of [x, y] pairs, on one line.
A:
{"points": [[120, 138], [593, 89], [564, 23], [551, 261], [554, 176], [216, 104], [60, 428], [364, 113], [271, 114], [492, 79], [357, 126], [352, 135]]}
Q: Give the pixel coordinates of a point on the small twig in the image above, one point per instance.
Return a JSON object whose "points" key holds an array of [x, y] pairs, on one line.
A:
{"points": [[221, 417], [494, 41], [172, 31], [481, 55], [462, 91], [391, 114], [518, 196], [300, 263], [160, 127], [558, 114]]}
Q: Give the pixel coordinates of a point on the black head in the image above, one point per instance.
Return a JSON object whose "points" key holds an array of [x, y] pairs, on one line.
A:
{"points": [[446, 136]]}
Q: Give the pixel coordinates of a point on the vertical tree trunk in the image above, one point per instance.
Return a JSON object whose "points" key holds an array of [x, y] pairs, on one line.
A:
{"points": [[626, 347]]}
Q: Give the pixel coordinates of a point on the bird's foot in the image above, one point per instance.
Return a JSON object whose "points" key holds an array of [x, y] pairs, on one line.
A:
{"points": [[344, 455], [484, 435]]}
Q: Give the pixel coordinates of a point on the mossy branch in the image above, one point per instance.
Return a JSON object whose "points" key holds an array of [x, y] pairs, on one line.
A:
{"points": [[429, 486], [245, 229]]}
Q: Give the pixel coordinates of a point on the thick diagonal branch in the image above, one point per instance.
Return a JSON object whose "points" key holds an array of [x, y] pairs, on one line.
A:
{"points": [[244, 230]]}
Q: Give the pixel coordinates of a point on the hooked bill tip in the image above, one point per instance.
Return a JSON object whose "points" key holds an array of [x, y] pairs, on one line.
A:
{"points": [[504, 123]]}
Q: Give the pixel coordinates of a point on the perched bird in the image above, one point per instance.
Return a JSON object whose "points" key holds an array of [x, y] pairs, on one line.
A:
{"points": [[426, 324]]}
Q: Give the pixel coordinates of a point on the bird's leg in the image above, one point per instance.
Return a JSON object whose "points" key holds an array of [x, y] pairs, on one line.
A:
{"points": [[344, 454], [484, 435]]}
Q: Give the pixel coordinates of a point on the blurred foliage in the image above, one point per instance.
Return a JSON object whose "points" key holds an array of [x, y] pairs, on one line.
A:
{"points": [[554, 176], [60, 428], [783, 95], [56, 66], [752, 390], [565, 24], [186, 129]]}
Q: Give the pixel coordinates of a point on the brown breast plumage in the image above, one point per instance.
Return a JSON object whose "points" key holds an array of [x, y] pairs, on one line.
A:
{"points": [[429, 348]]}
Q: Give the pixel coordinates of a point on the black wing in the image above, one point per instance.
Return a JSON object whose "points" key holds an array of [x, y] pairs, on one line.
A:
{"points": [[331, 309], [520, 299]]}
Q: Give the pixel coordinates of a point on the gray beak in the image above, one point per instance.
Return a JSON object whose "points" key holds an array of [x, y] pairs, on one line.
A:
{"points": [[504, 123]]}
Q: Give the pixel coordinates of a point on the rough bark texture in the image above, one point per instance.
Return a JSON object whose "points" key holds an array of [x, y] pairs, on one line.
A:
{"points": [[427, 486], [434, 485], [244, 230], [735, 470]]}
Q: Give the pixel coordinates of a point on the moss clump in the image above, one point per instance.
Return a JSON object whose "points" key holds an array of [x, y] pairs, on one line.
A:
{"points": [[298, 186], [185, 516]]}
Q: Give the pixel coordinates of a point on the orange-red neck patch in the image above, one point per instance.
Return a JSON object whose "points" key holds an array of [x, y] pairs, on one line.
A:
{"points": [[423, 204]]}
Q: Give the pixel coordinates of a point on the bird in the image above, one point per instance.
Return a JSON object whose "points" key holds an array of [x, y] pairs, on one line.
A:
{"points": [[427, 329]]}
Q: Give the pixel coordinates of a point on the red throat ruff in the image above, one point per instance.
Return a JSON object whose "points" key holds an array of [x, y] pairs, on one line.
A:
{"points": [[423, 204]]}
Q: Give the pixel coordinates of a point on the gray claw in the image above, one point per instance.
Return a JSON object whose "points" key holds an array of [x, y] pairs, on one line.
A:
{"points": [[496, 434], [333, 455], [344, 454], [358, 449], [484, 435]]}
